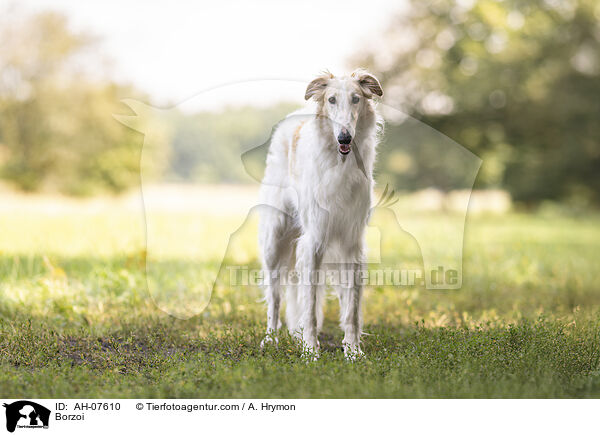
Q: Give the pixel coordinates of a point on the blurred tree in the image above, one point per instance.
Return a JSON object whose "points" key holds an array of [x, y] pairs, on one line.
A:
{"points": [[516, 82], [56, 125]]}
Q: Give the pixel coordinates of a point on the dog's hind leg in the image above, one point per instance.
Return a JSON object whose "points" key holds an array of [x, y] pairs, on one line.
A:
{"points": [[274, 234], [273, 299], [293, 305]]}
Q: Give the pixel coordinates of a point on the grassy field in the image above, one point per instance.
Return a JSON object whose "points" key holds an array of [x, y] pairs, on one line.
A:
{"points": [[77, 319]]}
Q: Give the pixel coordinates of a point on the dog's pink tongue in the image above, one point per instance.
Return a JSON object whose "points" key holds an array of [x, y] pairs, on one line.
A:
{"points": [[345, 148]]}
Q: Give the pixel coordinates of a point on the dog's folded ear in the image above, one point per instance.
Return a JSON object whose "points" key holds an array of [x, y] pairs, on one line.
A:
{"points": [[368, 83], [316, 88]]}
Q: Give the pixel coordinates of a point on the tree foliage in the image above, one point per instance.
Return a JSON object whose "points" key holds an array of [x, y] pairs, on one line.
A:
{"points": [[56, 125], [516, 82]]}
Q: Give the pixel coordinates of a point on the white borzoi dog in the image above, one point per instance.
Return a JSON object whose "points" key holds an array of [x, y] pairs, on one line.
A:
{"points": [[317, 190]]}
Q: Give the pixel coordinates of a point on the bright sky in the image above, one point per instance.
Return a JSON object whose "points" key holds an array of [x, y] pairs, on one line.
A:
{"points": [[175, 49]]}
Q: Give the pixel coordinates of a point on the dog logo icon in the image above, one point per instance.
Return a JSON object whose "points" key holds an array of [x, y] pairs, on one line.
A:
{"points": [[26, 414]]}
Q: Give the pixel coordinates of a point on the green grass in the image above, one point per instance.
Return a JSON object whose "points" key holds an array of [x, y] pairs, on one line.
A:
{"points": [[77, 320]]}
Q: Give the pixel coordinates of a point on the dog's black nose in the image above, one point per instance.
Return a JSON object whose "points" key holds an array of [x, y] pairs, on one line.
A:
{"points": [[344, 137]]}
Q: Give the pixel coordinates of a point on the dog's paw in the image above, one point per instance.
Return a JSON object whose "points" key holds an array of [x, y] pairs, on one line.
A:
{"points": [[269, 340], [310, 350], [353, 352], [310, 354]]}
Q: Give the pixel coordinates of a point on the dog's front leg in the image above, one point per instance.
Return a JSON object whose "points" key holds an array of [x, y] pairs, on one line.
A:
{"points": [[309, 260], [350, 313]]}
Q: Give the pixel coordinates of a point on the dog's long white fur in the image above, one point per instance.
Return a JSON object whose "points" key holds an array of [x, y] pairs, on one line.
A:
{"points": [[317, 205]]}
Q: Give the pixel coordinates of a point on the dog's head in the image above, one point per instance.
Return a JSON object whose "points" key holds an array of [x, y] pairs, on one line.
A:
{"points": [[342, 100]]}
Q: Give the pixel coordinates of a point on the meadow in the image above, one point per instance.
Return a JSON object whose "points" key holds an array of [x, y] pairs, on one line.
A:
{"points": [[77, 318]]}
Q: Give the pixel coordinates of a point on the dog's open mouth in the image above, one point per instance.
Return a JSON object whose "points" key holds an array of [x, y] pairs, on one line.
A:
{"points": [[344, 148]]}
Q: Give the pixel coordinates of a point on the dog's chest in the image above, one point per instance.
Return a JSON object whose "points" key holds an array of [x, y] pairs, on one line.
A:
{"points": [[344, 192], [341, 183]]}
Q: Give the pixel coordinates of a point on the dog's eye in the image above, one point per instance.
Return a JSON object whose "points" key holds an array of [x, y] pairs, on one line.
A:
{"points": [[332, 100], [355, 99]]}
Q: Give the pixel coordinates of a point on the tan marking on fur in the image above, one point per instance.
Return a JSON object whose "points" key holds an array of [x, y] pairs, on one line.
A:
{"points": [[294, 145]]}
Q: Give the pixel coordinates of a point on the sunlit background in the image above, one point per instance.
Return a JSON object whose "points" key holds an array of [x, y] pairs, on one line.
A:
{"points": [[515, 83], [172, 50]]}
